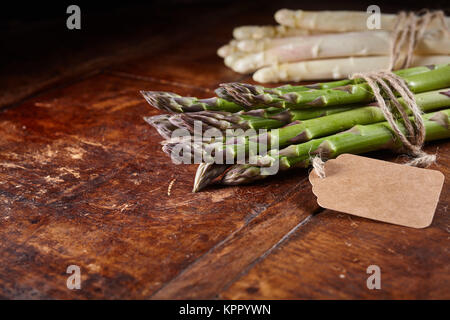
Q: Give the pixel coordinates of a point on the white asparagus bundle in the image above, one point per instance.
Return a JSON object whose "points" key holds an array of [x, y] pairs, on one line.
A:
{"points": [[348, 44], [334, 68], [319, 45], [336, 21]]}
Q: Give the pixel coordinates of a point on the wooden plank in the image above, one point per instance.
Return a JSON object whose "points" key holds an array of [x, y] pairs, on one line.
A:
{"points": [[245, 247], [329, 256], [84, 182]]}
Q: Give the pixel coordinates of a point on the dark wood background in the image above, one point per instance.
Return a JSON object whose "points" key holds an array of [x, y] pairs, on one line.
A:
{"points": [[83, 180]]}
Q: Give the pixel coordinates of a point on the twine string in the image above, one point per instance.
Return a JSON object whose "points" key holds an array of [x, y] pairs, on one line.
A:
{"points": [[319, 166], [408, 30]]}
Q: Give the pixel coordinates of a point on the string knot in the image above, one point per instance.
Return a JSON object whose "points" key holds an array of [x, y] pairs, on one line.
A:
{"points": [[319, 166], [422, 160]]}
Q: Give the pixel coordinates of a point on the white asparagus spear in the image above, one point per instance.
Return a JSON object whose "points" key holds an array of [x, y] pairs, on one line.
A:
{"points": [[335, 21], [333, 68], [261, 32], [369, 43], [432, 38]]}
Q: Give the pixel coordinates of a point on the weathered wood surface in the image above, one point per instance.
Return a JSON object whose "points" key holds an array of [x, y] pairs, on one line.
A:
{"points": [[328, 257], [83, 181]]}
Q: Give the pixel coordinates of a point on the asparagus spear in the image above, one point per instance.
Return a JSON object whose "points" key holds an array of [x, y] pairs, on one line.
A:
{"points": [[349, 44], [432, 43], [249, 95], [166, 124], [333, 68], [172, 102], [260, 90], [335, 21], [253, 119], [260, 32], [359, 139], [226, 120], [314, 128]]}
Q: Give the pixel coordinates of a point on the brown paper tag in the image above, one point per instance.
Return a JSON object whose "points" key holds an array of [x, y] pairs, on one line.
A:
{"points": [[379, 190]]}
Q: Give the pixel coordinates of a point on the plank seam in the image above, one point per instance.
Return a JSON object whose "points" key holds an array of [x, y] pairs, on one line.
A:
{"points": [[229, 237], [271, 249]]}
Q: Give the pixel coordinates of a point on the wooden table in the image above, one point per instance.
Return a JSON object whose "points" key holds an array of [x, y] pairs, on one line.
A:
{"points": [[83, 181]]}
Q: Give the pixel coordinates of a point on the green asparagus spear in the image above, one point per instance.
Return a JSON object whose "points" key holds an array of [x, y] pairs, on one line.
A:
{"points": [[172, 102], [250, 96], [334, 84], [254, 119], [359, 139]]}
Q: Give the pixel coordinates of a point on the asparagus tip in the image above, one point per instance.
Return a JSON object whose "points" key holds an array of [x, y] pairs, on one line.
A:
{"points": [[166, 101], [241, 174], [206, 173], [246, 94], [162, 124], [237, 92]]}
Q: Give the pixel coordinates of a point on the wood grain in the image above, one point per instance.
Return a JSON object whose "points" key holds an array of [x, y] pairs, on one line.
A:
{"points": [[328, 258], [84, 177], [83, 181]]}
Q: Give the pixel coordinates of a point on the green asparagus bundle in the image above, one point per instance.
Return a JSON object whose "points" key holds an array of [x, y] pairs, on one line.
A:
{"points": [[298, 133], [301, 131], [359, 139], [250, 95], [298, 119]]}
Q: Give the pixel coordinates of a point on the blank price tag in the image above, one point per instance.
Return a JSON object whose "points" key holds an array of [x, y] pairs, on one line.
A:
{"points": [[379, 190]]}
